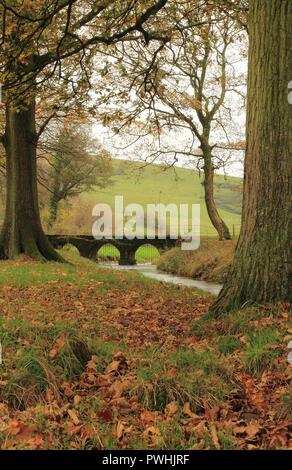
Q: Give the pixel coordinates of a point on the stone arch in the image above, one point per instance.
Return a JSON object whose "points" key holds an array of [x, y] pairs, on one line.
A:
{"points": [[68, 245], [147, 252], [58, 242], [108, 252]]}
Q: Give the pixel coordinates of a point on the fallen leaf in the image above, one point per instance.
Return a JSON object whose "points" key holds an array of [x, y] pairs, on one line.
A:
{"points": [[120, 430], [214, 436], [171, 408], [187, 411], [252, 430], [148, 417], [74, 417], [112, 367]]}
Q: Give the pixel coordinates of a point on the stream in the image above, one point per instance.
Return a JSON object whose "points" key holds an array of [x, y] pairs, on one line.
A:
{"points": [[150, 270]]}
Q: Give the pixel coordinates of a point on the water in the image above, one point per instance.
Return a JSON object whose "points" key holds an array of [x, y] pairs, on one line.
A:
{"points": [[150, 270]]}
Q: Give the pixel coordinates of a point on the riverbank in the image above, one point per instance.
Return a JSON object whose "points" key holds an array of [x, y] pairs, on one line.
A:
{"points": [[210, 262], [101, 359], [150, 270]]}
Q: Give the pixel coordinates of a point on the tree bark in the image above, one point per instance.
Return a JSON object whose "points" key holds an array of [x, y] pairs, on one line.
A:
{"points": [[261, 270], [54, 199], [22, 230], [214, 216], [54, 203]]}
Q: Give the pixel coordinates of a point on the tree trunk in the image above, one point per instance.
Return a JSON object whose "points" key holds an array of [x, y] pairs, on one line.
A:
{"points": [[214, 216], [53, 211], [22, 231], [54, 199], [260, 271]]}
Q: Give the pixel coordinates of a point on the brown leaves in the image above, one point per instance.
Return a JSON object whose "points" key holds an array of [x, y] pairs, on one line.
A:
{"points": [[187, 411], [117, 389], [152, 436], [74, 417], [172, 409], [59, 343], [248, 431], [148, 417], [103, 405], [122, 429], [215, 436], [18, 432], [118, 366]]}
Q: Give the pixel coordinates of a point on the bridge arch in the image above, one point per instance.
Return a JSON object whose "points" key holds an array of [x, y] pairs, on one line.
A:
{"points": [[88, 247], [71, 248], [147, 253], [108, 252]]}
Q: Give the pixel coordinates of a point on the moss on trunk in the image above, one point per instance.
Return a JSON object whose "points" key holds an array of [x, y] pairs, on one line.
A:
{"points": [[22, 230], [261, 270]]}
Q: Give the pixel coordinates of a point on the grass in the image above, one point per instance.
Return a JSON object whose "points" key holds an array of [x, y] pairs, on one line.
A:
{"points": [[228, 344], [261, 350], [152, 185], [211, 261], [240, 332], [94, 359], [201, 377]]}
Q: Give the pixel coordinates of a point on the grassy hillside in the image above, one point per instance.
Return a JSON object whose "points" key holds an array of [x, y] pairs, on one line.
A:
{"points": [[151, 185]]}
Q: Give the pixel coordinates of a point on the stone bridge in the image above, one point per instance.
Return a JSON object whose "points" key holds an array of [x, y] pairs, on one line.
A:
{"points": [[88, 246]]}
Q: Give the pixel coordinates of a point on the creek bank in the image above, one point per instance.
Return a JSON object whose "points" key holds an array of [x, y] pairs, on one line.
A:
{"points": [[209, 263]]}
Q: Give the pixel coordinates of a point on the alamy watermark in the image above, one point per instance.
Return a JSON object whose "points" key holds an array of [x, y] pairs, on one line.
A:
{"points": [[157, 221]]}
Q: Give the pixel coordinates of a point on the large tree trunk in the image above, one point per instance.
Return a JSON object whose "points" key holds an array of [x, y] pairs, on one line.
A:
{"points": [[260, 272], [214, 216], [22, 231]]}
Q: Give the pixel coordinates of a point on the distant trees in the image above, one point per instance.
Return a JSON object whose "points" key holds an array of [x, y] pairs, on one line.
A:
{"points": [[261, 271], [72, 162]]}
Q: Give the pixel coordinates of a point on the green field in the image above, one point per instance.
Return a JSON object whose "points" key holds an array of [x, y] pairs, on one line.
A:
{"points": [[154, 184]]}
